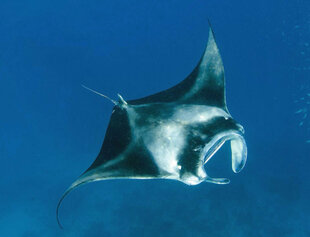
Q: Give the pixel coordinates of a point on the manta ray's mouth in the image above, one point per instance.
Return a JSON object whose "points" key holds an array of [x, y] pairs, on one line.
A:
{"points": [[238, 152]]}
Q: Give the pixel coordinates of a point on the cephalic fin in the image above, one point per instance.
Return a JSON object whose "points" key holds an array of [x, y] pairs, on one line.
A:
{"points": [[217, 180]]}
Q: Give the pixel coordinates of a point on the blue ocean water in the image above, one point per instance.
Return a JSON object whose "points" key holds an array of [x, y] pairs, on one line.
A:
{"points": [[52, 129]]}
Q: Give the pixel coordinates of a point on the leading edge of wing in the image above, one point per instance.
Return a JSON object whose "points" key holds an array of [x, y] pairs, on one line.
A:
{"points": [[204, 85]]}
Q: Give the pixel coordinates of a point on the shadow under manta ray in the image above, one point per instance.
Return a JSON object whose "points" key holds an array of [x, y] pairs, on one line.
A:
{"points": [[171, 134]]}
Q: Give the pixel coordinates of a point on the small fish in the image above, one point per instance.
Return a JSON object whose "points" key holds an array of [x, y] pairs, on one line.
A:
{"points": [[299, 111], [305, 116]]}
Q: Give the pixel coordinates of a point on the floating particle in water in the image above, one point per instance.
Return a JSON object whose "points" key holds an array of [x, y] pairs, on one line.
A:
{"points": [[301, 70], [303, 110]]}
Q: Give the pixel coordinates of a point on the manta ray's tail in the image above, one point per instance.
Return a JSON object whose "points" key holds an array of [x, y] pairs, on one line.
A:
{"points": [[121, 102], [98, 93]]}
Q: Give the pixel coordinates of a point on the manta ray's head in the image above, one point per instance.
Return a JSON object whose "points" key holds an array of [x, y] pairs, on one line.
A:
{"points": [[226, 129], [212, 136]]}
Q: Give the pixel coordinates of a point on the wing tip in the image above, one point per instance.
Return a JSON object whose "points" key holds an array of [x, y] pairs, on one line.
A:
{"points": [[211, 32], [73, 186], [58, 206]]}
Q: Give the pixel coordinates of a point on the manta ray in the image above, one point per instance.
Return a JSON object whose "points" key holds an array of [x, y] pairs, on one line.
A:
{"points": [[171, 134]]}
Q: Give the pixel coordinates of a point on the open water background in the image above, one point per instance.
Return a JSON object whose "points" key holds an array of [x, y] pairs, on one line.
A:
{"points": [[51, 129]]}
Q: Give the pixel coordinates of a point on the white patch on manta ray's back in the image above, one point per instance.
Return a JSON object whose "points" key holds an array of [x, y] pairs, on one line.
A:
{"points": [[171, 132], [188, 114], [165, 150]]}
